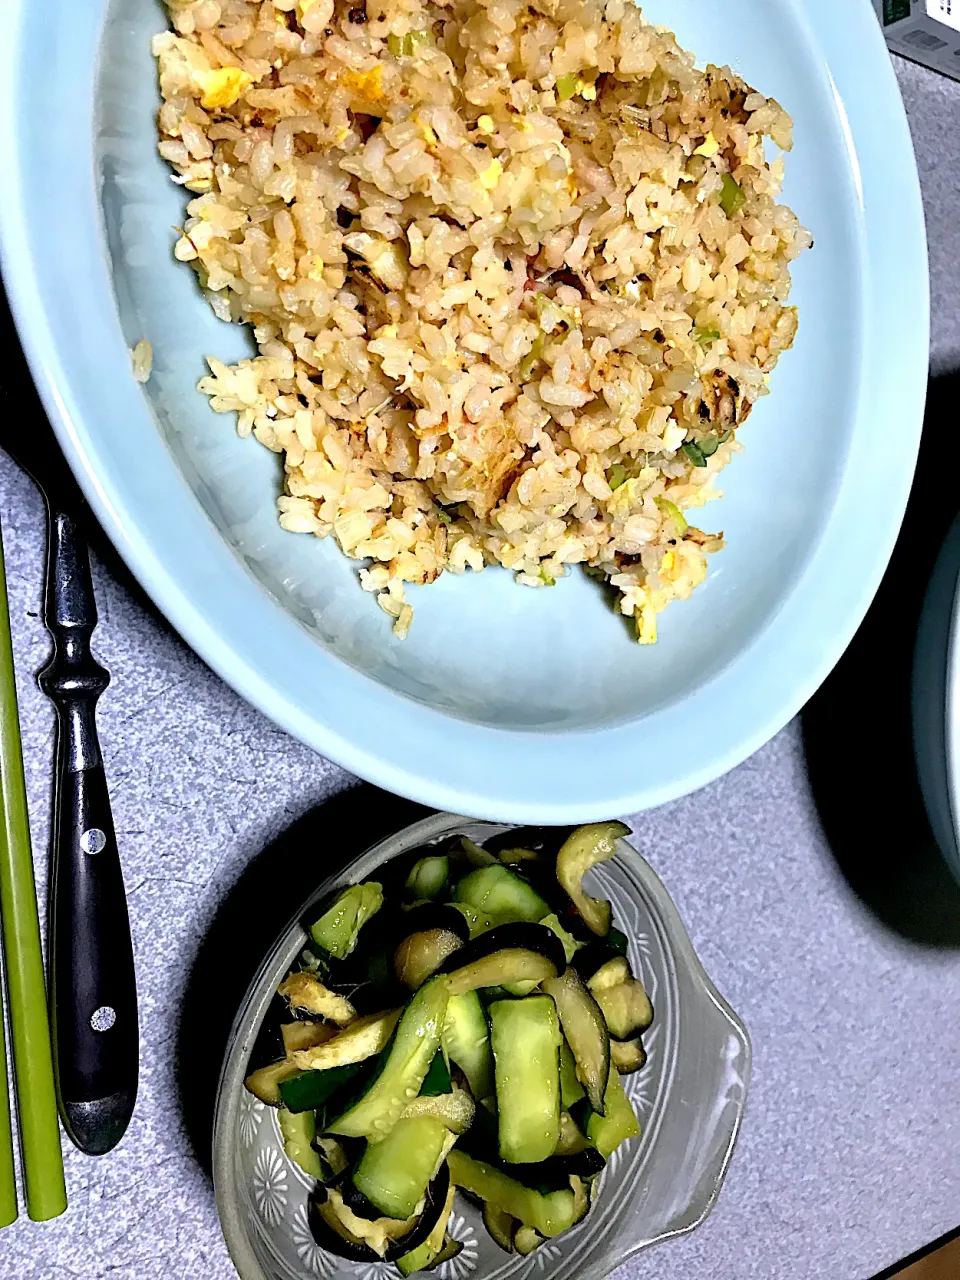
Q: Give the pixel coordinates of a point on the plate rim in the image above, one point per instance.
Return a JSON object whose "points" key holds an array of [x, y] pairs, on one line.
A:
{"points": [[870, 108]]}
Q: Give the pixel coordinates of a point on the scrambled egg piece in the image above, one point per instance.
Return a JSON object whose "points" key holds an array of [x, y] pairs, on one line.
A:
{"points": [[425, 130], [316, 268], [222, 88], [186, 71], [367, 85], [486, 125], [491, 175], [709, 147], [646, 622]]}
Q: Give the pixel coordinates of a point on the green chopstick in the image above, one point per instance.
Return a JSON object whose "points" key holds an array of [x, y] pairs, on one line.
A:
{"points": [[40, 1154], [8, 1185]]}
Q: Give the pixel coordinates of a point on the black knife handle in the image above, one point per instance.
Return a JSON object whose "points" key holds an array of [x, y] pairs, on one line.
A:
{"points": [[93, 993]]}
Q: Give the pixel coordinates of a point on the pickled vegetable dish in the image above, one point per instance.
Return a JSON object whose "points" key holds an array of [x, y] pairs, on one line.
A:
{"points": [[461, 1024]]}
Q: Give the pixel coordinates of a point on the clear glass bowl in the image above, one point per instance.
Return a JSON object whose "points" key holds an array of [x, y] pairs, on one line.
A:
{"points": [[689, 1097]]}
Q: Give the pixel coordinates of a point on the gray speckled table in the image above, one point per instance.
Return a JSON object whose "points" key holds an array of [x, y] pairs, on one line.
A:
{"points": [[843, 955]]}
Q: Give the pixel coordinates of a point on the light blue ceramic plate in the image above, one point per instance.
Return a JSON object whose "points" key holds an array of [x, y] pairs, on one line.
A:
{"points": [[504, 702]]}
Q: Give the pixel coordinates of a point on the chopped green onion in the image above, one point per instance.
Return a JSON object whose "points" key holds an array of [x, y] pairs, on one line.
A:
{"points": [[531, 360], [709, 446], [673, 512], [616, 476], [732, 196], [406, 45], [706, 336], [444, 516], [547, 578], [694, 453], [567, 85]]}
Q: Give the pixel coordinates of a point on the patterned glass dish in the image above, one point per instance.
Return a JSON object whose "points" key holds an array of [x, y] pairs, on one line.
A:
{"points": [[689, 1098]]}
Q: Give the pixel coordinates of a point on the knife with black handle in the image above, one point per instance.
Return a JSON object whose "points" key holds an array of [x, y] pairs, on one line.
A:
{"points": [[93, 995]]}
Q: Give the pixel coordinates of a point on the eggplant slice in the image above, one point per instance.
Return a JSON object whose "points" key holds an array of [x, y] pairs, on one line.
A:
{"points": [[330, 1233]]}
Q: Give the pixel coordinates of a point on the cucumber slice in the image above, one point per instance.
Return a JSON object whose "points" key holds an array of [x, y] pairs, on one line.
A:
{"points": [[617, 1124], [500, 893], [338, 928], [477, 921], [584, 849], [550, 1214], [415, 1042], [466, 1041], [429, 1253], [394, 1173], [429, 878], [361, 1040], [437, 1079], [525, 1036], [298, 1132], [585, 1031], [312, 1089]]}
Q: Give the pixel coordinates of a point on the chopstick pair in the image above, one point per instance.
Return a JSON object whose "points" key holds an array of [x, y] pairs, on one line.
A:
{"points": [[24, 987]]}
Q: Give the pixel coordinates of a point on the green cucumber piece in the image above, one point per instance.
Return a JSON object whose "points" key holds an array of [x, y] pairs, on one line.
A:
{"points": [[394, 1173], [429, 878], [312, 1089], [437, 1079], [617, 1124], [432, 1252], [415, 1043], [500, 893], [478, 921], [298, 1132], [466, 1041], [525, 1035], [550, 1214], [338, 928]]}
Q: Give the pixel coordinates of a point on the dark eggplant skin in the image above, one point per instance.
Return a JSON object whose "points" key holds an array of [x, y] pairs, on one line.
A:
{"points": [[559, 1169], [327, 1238], [589, 959], [509, 937], [434, 915], [357, 1202]]}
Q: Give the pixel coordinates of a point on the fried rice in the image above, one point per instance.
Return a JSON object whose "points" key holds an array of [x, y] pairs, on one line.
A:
{"points": [[516, 273]]}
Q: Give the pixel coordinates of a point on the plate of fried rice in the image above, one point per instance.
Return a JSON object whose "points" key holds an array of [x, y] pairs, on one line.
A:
{"points": [[516, 401]]}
